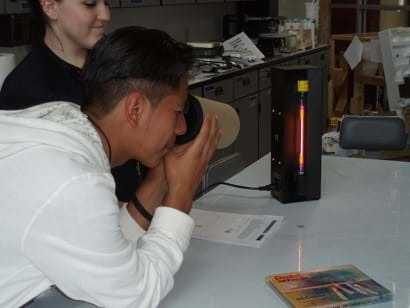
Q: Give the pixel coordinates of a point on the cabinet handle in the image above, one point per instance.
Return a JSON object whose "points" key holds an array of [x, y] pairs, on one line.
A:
{"points": [[246, 81], [219, 91]]}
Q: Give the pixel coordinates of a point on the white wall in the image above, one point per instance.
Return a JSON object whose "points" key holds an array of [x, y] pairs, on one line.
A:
{"points": [[193, 22]]}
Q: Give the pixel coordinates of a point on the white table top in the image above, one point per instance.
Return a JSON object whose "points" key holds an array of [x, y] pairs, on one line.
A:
{"points": [[363, 218]]}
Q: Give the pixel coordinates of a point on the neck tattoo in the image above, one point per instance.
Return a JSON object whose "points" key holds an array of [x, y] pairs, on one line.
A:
{"points": [[104, 135]]}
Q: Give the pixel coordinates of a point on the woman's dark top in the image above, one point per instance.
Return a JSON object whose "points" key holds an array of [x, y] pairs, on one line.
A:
{"points": [[40, 78], [44, 77]]}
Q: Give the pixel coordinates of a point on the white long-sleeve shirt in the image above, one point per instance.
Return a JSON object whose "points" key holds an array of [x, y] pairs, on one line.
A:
{"points": [[60, 223]]}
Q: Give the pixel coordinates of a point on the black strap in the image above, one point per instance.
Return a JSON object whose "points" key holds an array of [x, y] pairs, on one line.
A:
{"points": [[140, 208]]}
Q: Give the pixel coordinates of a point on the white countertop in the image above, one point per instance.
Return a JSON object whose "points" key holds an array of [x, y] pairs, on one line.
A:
{"points": [[363, 218]]}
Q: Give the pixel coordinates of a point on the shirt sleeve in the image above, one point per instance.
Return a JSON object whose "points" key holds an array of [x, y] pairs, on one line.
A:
{"points": [[77, 240], [130, 228]]}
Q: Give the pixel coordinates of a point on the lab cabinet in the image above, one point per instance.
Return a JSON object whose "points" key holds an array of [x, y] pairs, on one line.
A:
{"points": [[196, 91], [265, 110], [221, 91], [209, 1], [171, 2], [245, 84], [16, 6], [138, 3], [294, 61], [114, 3], [251, 95], [247, 142], [265, 79], [240, 0]]}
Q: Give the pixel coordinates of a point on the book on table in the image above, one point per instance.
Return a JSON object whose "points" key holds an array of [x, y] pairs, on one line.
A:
{"points": [[338, 286]]}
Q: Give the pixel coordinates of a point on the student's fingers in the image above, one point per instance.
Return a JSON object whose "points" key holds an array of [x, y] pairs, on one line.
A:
{"points": [[201, 140], [213, 138]]}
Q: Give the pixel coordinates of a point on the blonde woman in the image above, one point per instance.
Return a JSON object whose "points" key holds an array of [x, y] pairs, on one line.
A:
{"points": [[65, 31]]}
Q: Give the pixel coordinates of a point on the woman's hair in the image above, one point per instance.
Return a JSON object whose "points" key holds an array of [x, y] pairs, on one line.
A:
{"points": [[133, 59], [39, 21]]}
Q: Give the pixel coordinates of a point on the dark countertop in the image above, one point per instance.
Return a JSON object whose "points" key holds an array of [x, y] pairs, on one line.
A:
{"points": [[193, 83]]}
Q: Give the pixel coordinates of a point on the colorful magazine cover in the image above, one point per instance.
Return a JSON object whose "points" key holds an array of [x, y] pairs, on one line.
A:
{"points": [[340, 286]]}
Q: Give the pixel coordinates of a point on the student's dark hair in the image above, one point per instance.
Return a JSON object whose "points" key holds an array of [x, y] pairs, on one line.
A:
{"points": [[38, 21], [133, 59]]}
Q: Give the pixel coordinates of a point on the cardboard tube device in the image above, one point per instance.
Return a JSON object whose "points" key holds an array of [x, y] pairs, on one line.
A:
{"points": [[228, 120]]}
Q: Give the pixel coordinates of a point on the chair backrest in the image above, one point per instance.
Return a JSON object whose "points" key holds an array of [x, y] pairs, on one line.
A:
{"points": [[373, 133], [222, 169]]}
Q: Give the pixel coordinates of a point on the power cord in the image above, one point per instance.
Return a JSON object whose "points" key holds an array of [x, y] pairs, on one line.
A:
{"points": [[260, 188]]}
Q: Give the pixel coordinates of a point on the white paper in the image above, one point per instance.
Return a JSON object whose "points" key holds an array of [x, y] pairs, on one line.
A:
{"points": [[241, 42], [235, 229], [354, 52]]}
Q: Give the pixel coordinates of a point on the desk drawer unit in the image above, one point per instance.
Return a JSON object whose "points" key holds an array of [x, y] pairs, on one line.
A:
{"points": [[245, 84], [319, 59], [137, 3], [265, 78], [196, 91], [289, 62], [247, 142], [16, 6], [114, 3], [221, 91]]}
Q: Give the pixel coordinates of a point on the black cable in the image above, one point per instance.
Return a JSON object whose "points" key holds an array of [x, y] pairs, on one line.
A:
{"points": [[260, 188]]}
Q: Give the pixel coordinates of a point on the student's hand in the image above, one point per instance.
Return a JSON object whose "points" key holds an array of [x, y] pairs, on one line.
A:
{"points": [[156, 177], [186, 164], [150, 193]]}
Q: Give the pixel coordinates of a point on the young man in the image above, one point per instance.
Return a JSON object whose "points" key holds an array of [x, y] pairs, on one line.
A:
{"points": [[60, 223]]}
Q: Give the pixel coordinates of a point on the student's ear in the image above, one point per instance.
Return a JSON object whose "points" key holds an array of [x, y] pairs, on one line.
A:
{"points": [[136, 107], [49, 8]]}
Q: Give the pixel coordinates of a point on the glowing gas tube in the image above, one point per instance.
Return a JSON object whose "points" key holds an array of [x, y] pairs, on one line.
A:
{"points": [[303, 87]]}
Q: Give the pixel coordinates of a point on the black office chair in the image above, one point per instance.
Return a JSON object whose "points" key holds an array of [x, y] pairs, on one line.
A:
{"points": [[372, 133]]}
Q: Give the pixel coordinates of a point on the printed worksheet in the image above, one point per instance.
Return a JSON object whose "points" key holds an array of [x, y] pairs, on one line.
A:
{"points": [[235, 229], [241, 42]]}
